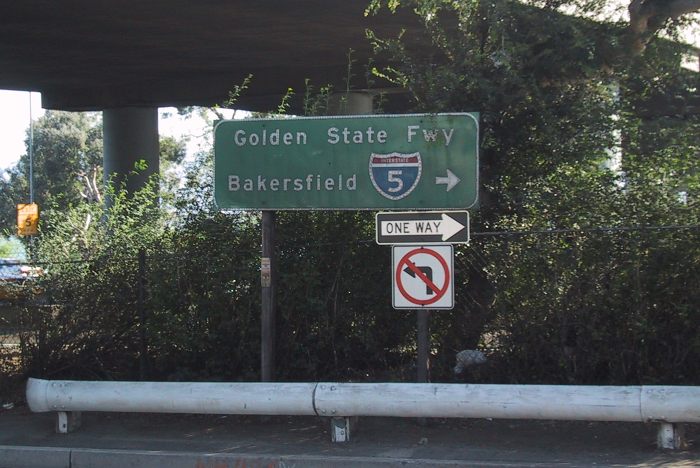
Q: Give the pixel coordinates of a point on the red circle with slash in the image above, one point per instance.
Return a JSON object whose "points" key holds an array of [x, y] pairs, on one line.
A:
{"points": [[439, 292]]}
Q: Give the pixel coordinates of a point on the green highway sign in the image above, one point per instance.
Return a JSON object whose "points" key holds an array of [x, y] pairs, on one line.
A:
{"points": [[421, 161]]}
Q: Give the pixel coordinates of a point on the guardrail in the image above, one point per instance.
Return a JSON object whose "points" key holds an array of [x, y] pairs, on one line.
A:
{"points": [[666, 404]]}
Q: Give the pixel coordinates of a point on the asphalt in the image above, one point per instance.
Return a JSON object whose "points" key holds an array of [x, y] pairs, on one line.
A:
{"points": [[204, 441]]}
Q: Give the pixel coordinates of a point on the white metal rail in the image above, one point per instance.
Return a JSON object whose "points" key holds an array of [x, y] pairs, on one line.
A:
{"points": [[670, 404]]}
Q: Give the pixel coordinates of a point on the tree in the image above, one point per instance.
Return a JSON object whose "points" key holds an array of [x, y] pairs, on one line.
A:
{"points": [[571, 306], [68, 166], [67, 157], [172, 155], [648, 17], [92, 283], [567, 281]]}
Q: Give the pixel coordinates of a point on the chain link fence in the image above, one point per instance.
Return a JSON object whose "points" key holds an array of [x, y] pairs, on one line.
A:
{"points": [[550, 307], [16, 277]]}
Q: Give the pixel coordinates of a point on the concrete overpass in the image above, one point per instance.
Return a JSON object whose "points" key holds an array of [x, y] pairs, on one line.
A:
{"points": [[129, 57]]}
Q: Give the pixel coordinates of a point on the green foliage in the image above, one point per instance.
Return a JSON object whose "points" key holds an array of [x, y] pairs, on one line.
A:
{"points": [[238, 89], [334, 306], [317, 102], [172, 155], [210, 328], [5, 248], [88, 328], [201, 297], [581, 306], [577, 287], [11, 248]]}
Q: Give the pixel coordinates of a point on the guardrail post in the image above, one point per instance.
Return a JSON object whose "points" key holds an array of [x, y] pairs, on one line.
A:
{"points": [[671, 436], [68, 421], [340, 429]]}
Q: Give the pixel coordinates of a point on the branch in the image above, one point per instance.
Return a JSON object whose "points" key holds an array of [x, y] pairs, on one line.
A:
{"points": [[678, 8], [216, 112], [648, 16], [96, 188], [92, 190], [639, 16]]}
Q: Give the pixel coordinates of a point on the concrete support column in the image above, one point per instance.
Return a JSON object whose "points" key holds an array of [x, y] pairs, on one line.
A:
{"points": [[351, 103], [130, 136]]}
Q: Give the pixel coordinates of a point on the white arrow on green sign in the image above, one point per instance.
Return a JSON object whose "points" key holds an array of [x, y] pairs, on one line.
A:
{"points": [[420, 161]]}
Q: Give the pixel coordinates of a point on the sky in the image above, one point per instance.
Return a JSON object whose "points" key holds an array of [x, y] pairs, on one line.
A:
{"points": [[14, 120]]}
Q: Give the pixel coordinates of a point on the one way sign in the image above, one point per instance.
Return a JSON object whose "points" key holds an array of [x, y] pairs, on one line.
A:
{"points": [[423, 227]]}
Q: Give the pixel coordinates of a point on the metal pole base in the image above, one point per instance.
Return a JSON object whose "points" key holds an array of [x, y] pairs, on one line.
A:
{"points": [[68, 421], [671, 437]]}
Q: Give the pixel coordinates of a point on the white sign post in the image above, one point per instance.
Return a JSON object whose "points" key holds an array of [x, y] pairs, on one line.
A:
{"points": [[423, 277]]}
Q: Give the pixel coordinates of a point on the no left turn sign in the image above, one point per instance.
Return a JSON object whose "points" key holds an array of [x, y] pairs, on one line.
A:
{"points": [[423, 277]]}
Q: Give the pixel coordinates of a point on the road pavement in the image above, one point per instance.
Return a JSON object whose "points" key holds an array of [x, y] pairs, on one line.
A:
{"points": [[206, 441]]}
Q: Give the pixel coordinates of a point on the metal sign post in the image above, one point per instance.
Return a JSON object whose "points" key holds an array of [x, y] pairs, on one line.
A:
{"points": [[423, 279], [423, 340], [267, 282]]}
